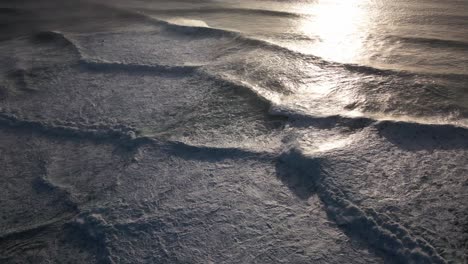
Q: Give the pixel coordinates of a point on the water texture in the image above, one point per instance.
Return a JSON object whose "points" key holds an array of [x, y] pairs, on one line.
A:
{"points": [[234, 131]]}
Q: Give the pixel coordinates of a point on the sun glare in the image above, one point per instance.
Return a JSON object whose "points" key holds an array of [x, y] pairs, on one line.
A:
{"points": [[338, 27]]}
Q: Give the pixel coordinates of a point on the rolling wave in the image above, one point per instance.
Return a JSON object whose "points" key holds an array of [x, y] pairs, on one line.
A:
{"points": [[434, 42], [300, 119], [233, 10], [198, 31], [204, 32], [56, 37], [96, 64], [120, 134], [264, 95], [381, 232], [272, 98]]}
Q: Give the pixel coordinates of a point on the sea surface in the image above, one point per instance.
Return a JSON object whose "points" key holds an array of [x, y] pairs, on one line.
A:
{"points": [[244, 131]]}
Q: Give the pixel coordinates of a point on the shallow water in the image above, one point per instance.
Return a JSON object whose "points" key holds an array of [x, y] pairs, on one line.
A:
{"points": [[234, 131]]}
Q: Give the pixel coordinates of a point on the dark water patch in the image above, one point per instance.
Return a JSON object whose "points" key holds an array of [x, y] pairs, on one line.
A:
{"points": [[369, 70], [409, 135], [92, 231], [53, 37], [414, 136], [120, 134], [20, 242], [325, 122], [433, 42], [303, 185], [25, 232], [213, 154], [53, 240], [10, 11], [57, 40], [4, 92]]}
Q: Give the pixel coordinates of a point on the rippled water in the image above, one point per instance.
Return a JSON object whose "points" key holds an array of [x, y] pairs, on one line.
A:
{"points": [[234, 131], [396, 60]]}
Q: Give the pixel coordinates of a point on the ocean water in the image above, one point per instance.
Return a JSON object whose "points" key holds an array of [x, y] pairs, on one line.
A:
{"points": [[213, 131]]}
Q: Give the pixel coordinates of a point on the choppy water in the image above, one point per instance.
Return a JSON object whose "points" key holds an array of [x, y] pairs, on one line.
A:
{"points": [[361, 107], [398, 60]]}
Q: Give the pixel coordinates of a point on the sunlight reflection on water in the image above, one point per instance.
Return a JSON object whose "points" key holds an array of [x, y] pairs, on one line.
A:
{"points": [[339, 26]]}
